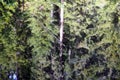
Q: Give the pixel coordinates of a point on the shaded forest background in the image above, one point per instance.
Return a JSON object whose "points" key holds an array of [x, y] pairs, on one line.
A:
{"points": [[29, 39]]}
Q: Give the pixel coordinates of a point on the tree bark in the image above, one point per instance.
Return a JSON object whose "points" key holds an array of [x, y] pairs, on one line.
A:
{"points": [[61, 41]]}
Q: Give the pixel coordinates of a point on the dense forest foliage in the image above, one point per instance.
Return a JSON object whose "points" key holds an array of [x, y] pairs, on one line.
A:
{"points": [[30, 39]]}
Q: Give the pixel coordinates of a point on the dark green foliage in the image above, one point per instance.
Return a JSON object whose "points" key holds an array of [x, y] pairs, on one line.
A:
{"points": [[15, 52], [92, 43], [29, 39], [88, 41]]}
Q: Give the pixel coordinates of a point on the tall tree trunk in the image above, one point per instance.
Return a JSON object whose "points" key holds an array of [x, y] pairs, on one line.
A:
{"points": [[61, 27], [61, 40]]}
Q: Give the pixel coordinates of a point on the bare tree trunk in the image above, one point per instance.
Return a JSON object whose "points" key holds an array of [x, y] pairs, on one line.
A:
{"points": [[61, 41], [51, 14], [110, 73], [61, 26]]}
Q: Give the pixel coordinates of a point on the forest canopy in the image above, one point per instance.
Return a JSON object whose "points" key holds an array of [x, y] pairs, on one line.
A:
{"points": [[60, 39]]}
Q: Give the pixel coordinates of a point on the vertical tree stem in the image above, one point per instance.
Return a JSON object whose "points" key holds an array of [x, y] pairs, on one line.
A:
{"points": [[61, 26], [61, 40]]}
